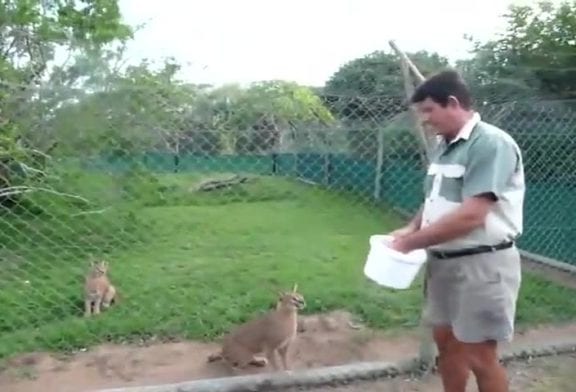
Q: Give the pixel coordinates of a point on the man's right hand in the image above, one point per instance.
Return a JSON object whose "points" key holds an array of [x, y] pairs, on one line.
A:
{"points": [[412, 227], [402, 231]]}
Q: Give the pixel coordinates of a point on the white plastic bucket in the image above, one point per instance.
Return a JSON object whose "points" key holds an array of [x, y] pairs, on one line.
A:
{"points": [[391, 268]]}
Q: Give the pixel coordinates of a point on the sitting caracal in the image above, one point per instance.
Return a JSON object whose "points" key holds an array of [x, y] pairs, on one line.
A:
{"points": [[98, 291], [270, 333]]}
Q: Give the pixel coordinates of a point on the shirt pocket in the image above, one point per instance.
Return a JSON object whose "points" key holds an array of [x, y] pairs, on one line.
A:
{"points": [[452, 182]]}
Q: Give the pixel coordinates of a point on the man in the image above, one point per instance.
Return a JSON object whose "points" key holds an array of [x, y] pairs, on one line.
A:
{"points": [[471, 217]]}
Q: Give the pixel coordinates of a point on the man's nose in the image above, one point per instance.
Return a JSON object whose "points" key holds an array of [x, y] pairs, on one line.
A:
{"points": [[424, 117]]}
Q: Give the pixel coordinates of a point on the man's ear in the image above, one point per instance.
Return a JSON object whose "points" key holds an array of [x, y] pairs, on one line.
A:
{"points": [[453, 102]]}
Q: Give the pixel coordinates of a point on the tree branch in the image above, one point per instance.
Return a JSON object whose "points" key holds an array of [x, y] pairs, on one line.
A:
{"points": [[17, 190]]}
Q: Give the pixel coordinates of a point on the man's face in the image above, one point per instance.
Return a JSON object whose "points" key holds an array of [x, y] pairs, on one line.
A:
{"points": [[435, 117]]}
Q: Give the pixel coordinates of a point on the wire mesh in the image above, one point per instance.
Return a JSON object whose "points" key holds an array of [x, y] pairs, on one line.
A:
{"points": [[206, 202]]}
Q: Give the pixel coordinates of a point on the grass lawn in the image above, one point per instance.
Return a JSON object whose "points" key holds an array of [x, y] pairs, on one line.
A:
{"points": [[197, 264]]}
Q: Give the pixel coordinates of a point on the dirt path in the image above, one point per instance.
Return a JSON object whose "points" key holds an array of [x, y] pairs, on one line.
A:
{"points": [[555, 374], [332, 339]]}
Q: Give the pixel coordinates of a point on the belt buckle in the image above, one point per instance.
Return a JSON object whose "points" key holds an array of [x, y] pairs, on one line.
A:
{"points": [[441, 254]]}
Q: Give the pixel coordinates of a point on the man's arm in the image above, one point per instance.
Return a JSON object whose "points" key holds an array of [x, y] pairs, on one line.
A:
{"points": [[411, 227], [487, 175], [416, 221], [464, 220]]}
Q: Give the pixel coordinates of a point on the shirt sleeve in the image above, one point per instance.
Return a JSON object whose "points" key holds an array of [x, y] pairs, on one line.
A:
{"points": [[491, 166]]}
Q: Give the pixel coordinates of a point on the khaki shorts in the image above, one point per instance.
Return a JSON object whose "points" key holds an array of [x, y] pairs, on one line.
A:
{"points": [[475, 295]]}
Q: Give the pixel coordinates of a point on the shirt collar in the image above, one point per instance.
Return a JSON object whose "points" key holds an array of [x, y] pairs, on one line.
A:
{"points": [[466, 130]]}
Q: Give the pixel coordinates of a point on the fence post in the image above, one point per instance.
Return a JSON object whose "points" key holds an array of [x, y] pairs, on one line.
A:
{"points": [[428, 352], [295, 172], [379, 165], [327, 168]]}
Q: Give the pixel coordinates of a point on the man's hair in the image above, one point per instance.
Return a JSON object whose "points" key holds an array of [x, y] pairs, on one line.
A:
{"points": [[441, 86]]}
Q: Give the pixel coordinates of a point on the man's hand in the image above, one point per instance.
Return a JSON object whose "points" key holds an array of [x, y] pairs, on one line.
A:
{"points": [[406, 231], [400, 245], [403, 231]]}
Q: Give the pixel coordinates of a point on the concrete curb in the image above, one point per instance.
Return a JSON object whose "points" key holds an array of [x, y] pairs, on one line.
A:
{"points": [[282, 380], [548, 350], [333, 375]]}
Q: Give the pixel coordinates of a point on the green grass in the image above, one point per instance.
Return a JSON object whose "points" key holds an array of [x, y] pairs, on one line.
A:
{"points": [[190, 265]]}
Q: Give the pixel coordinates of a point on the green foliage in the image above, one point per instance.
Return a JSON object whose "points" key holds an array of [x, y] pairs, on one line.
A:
{"points": [[31, 32], [525, 81], [281, 103], [268, 108], [156, 111], [379, 74], [371, 88], [368, 94], [536, 53]]}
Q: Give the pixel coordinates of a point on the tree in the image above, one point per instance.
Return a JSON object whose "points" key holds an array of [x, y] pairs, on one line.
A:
{"points": [[144, 109], [271, 114], [524, 80], [535, 54], [372, 87], [31, 32], [266, 116], [368, 93], [135, 110]]}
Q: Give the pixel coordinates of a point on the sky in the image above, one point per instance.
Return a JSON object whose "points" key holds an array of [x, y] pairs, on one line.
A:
{"points": [[306, 41]]}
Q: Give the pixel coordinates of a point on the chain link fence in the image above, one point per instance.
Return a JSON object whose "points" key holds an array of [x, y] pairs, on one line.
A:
{"points": [[205, 203]]}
